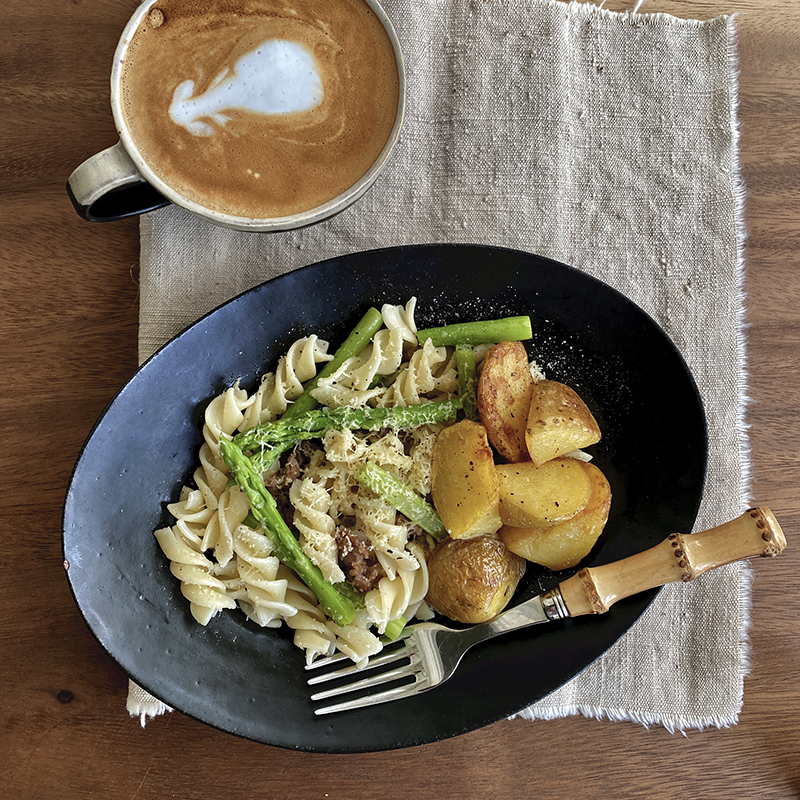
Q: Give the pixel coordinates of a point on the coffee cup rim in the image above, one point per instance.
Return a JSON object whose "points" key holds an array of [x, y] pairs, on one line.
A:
{"points": [[260, 224]]}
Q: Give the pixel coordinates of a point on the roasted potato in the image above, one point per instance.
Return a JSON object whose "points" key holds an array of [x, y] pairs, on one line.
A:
{"points": [[534, 497], [558, 422], [464, 482], [566, 543], [504, 397], [472, 580]]}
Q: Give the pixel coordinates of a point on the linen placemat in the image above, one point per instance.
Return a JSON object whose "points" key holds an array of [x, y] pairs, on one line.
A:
{"points": [[604, 140]]}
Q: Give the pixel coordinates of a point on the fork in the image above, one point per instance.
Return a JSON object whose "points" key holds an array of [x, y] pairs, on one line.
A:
{"points": [[427, 654]]}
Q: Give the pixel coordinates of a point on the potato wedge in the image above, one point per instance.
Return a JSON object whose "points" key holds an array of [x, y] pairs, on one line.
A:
{"points": [[472, 580], [558, 422], [504, 397], [534, 497], [566, 543], [464, 482]]}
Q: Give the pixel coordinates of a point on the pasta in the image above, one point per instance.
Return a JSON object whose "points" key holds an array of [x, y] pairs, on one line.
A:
{"points": [[279, 388], [400, 593], [260, 590], [224, 561], [206, 594]]}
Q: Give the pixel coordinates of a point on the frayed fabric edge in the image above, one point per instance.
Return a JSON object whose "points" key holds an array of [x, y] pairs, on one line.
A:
{"points": [[671, 725], [143, 705], [742, 426], [633, 15]]}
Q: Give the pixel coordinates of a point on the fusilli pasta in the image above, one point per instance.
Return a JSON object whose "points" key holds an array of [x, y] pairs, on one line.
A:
{"points": [[223, 563]]}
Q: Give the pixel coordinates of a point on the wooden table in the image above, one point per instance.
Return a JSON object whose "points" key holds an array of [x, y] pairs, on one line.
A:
{"points": [[68, 292]]}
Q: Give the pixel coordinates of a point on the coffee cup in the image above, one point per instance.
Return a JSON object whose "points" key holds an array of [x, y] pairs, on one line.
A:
{"points": [[259, 115]]}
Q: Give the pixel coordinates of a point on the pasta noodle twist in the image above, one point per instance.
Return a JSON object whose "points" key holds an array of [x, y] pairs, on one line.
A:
{"points": [[400, 593], [317, 528], [351, 384], [223, 416], [211, 476], [191, 507], [311, 632], [337, 391], [262, 593], [386, 352], [356, 641], [279, 388], [231, 509], [206, 594], [429, 370]]}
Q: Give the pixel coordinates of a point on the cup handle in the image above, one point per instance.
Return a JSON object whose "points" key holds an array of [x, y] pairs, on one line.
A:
{"points": [[108, 187]]}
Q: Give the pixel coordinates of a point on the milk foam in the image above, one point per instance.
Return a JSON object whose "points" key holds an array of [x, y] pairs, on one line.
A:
{"points": [[278, 77], [288, 106]]}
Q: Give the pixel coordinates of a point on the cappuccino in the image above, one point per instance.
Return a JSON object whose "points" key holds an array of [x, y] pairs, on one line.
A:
{"points": [[259, 108]]}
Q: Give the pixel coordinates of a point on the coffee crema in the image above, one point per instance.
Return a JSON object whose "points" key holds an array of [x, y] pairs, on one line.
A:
{"points": [[260, 108]]}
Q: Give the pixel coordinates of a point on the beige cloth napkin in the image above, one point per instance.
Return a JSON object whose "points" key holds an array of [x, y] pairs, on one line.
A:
{"points": [[604, 140]]}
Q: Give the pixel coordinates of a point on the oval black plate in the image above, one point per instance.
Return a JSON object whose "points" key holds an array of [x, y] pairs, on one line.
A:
{"points": [[250, 682]]}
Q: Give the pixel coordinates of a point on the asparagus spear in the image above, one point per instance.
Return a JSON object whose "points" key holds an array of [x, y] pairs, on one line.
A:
{"points": [[467, 380], [394, 628], [313, 424], [262, 505], [491, 331], [358, 339], [264, 459], [403, 498]]}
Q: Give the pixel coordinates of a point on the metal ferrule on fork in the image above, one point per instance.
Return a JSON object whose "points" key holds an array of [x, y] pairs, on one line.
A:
{"points": [[553, 604]]}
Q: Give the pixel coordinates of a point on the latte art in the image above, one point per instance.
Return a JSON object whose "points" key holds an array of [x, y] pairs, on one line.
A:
{"points": [[276, 78], [259, 109]]}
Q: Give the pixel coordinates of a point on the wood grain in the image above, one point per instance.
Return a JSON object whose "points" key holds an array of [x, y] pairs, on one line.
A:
{"points": [[68, 326]]}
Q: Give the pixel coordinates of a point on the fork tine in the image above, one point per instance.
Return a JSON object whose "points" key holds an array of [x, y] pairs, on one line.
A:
{"points": [[327, 661], [352, 669], [409, 670], [398, 693]]}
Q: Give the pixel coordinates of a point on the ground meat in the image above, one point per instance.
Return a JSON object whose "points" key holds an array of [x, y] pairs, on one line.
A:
{"points": [[363, 569], [292, 466]]}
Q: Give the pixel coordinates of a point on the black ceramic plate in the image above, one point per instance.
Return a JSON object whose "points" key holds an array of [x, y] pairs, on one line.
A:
{"points": [[249, 681]]}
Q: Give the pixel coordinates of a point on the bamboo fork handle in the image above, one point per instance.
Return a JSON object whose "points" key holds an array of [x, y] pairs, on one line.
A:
{"points": [[678, 558]]}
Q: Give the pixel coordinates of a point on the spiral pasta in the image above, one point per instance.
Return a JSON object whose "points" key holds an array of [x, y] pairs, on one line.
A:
{"points": [[430, 372], [206, 594], [352, 383], [279, 388], [262, 591], [223, 416], [309, 623], [231, 509], [312, 502], [356, 641], [400, 593], [344, 529]]}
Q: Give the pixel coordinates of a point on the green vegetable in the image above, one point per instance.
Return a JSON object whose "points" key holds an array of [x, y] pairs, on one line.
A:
{"points": [[313, 424], [509, 329], [358, 339], [350, 592], [264, 459], [262, 504], [249, 520], [394, 629], [467, 380], [403, 498]]}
